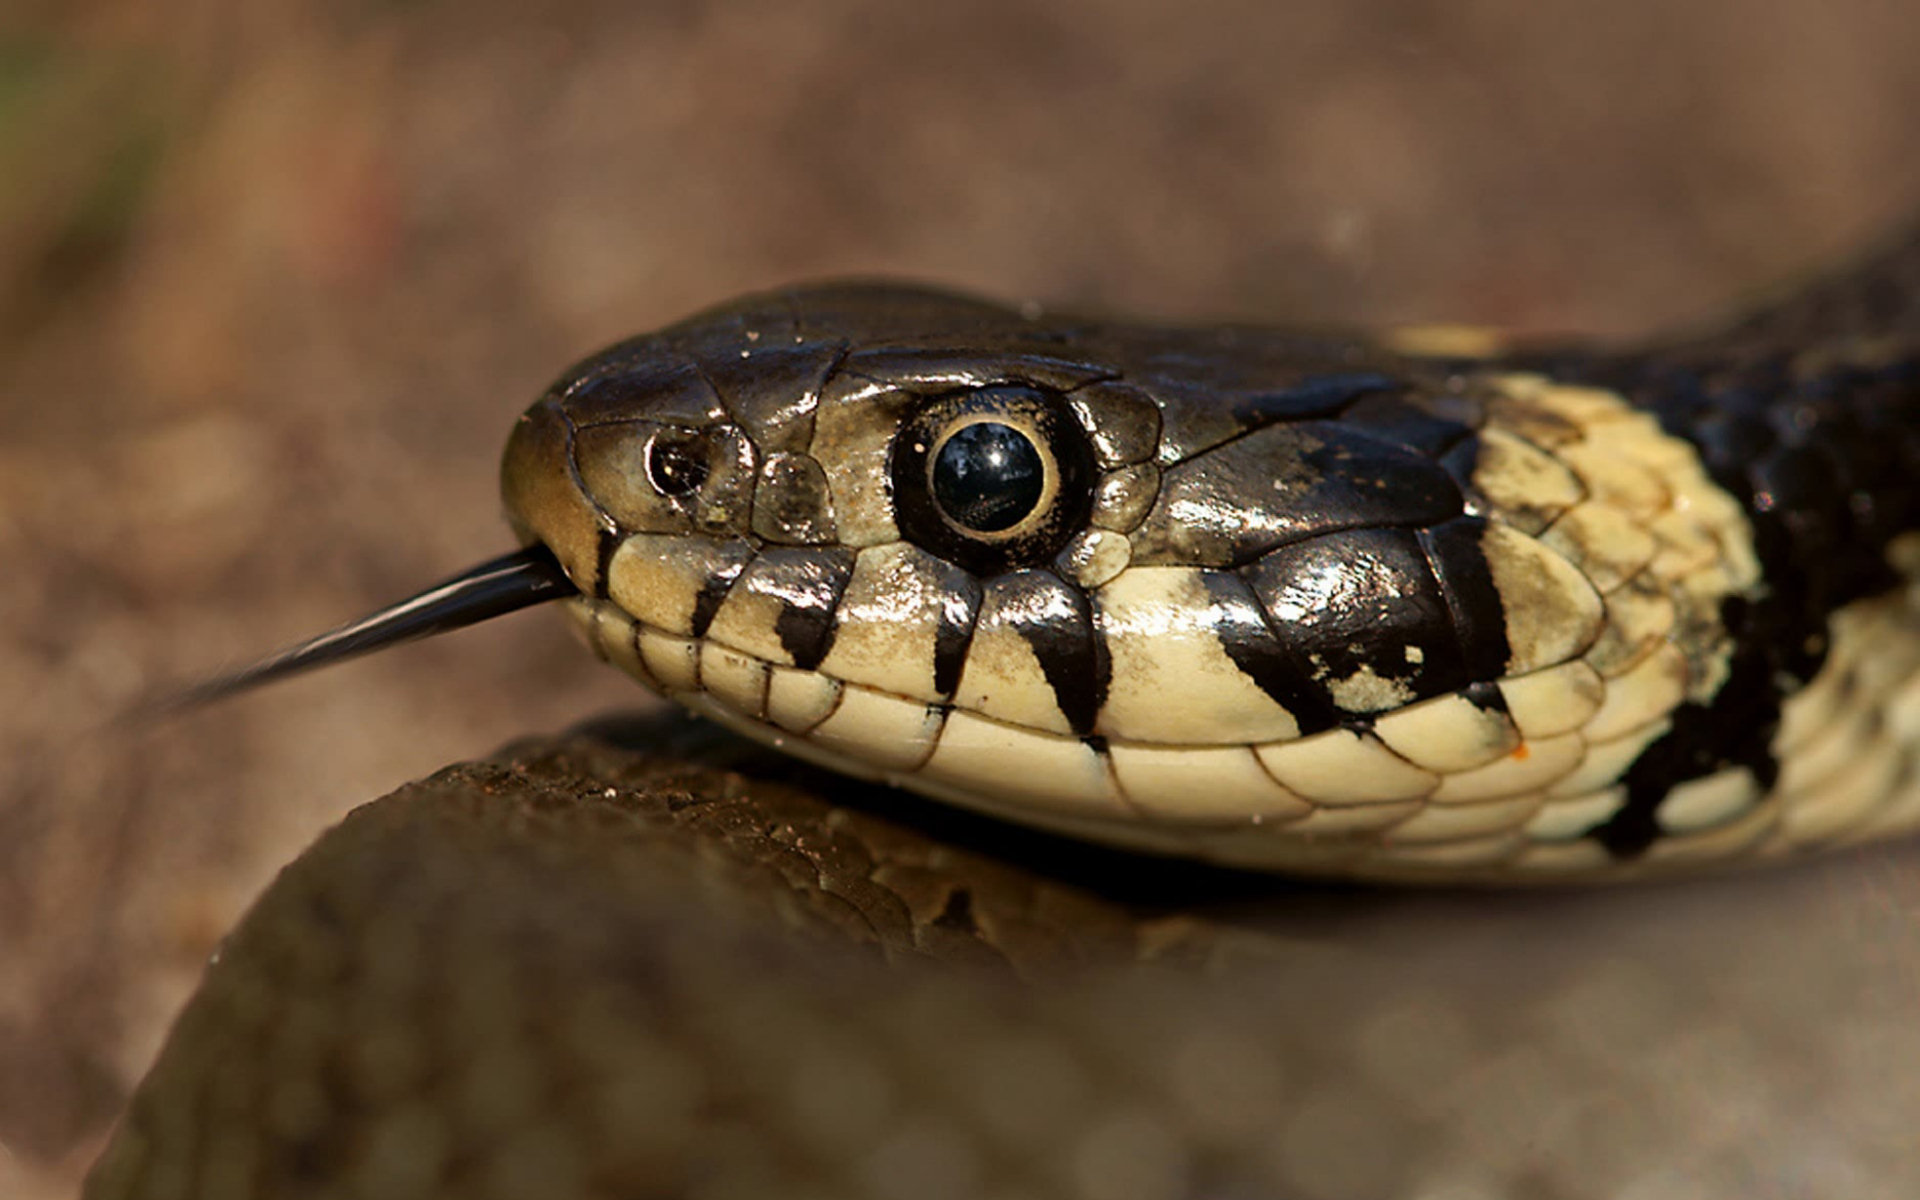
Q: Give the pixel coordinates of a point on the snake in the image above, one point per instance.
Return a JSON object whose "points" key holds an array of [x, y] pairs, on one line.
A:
{"points": [[1428, 607]]}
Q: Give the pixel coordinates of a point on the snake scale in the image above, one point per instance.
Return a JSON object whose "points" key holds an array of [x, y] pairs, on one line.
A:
{"points": [[1389, 609]]}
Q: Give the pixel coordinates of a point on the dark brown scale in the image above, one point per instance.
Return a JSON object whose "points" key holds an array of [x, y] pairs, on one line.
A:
{"points": [[679, 395], [881, 314], [772, 392], [1214, 385], [1362, 602], [1317, 396], [1414, 425], [1123, 422], [1284, 483], [944, 370]]}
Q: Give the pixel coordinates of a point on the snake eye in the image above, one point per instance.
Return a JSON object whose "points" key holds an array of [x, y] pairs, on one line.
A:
{"points": [[988, 476], [994, 479], [676, 463]]}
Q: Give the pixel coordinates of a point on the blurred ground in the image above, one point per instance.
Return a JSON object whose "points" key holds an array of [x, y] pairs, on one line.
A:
{"points": [[275, 278]]}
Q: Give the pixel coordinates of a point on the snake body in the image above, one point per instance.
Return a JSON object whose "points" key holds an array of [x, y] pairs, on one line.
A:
{"points": [[1326, 605], [1265, 599]]}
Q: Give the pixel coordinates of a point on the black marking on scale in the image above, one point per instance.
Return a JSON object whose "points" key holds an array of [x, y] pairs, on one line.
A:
{"points": [[1474, 604], [1734, 729], [1485, 696], [1767, 439], [612, 537], [1822, 465], [1395, 417], [713, 593], [809, 583], [1055, 619], [959, 616], [1357, 603], [1242, 627]]}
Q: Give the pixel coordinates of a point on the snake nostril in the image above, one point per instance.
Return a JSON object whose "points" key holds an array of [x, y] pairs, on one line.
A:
{"points": [[677, 463]]}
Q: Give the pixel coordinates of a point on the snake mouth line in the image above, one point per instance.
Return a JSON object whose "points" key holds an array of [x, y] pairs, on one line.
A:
{"points": [[1109, 790]]}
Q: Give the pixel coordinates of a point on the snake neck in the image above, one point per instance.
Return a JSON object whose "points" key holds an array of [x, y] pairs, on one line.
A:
{"points": [[1807, 412]]}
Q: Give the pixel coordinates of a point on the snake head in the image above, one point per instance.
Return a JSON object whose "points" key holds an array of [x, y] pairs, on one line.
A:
{"points": [[1384, 607], [1115, 580], [1150, 586]]}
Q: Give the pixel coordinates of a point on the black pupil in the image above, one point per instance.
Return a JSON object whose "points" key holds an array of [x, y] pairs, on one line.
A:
{"points": [[988, 477], [676, 465]]}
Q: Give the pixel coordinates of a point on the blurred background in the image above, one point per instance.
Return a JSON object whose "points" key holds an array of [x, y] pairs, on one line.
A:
{"points": [[277, 275]]}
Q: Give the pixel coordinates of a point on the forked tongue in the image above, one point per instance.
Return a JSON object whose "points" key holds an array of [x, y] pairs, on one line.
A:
{"points": [[493, 589]]}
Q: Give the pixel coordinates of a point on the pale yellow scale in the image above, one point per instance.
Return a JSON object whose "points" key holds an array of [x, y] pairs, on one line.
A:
{"points": [[1171, 675], [889, 622]]}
